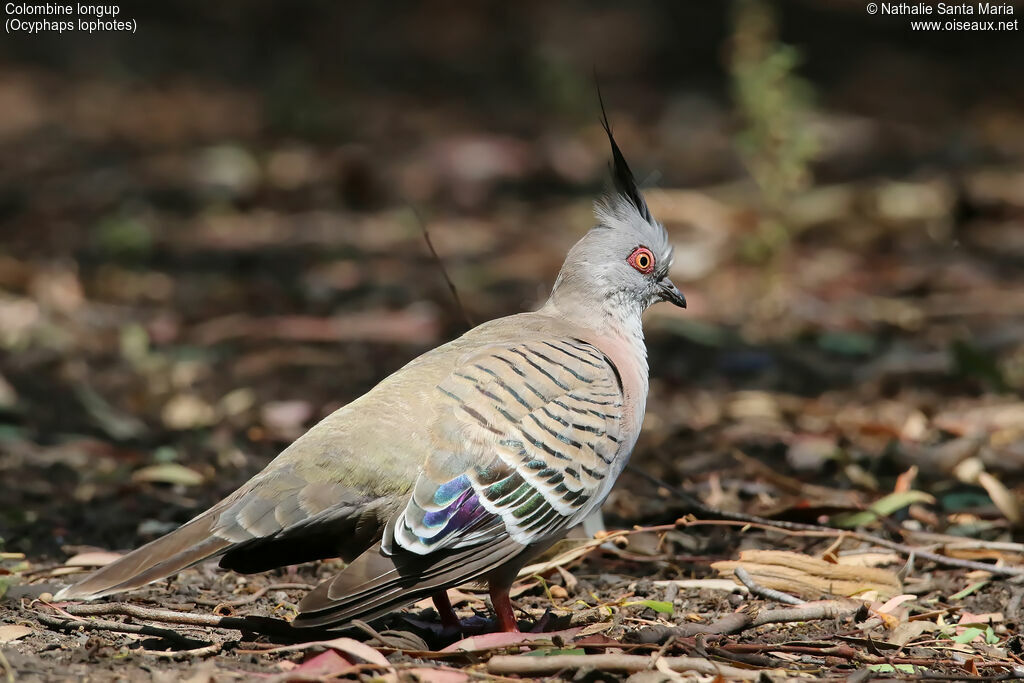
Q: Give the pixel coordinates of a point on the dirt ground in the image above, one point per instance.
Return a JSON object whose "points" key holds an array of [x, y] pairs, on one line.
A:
{"points": [[194, 269]]}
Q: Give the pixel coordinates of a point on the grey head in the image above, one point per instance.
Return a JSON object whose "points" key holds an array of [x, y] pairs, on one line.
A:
{"points": [[621, 265]]}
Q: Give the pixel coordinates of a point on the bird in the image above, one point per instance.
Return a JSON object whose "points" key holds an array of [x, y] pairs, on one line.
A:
{"points": [[463, 465]]}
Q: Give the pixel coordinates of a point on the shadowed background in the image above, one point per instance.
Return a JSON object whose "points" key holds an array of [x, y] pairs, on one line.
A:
{"points": [[210, 237]]}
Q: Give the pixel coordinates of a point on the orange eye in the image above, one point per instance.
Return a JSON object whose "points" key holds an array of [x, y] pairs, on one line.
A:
{"points": [[642, 259]]}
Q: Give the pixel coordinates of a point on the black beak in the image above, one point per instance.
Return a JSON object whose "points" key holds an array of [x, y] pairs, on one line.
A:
{"points": [[669, 292]]}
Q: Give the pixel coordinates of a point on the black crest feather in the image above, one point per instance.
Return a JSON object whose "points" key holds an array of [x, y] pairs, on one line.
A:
{"points": [[625, 183]]}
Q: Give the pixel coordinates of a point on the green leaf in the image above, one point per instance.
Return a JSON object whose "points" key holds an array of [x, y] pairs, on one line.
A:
{"points": [[967, 591], [990, 636], [883, 507], [124, 236], [891, 669], [971, 361], [847, 343], [659, 606], [556, 651], [968, 635], [700, 332]]}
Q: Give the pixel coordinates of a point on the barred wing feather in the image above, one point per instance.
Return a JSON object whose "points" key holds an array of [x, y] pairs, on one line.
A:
{"points": [[523, 447]]}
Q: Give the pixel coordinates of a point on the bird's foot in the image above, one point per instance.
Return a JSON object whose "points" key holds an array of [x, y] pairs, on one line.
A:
{"points": [[449, 620], [542, 624], [503, 609]]}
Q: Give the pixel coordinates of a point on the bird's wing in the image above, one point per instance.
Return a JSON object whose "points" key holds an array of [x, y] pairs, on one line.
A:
{"points": [[524, 444]]}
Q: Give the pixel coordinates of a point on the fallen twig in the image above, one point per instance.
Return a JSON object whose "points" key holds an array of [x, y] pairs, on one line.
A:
{"points": [[961, 542], [119, 627], [211, 649], [128, 610], [541, 666], [740, 621], [262, 625], [840, 651], [794, 529], [810, 611], [768, 593]]}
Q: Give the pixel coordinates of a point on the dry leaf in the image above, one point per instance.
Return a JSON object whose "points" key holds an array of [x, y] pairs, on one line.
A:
{"points": [[1004, 499], [96, 558], [188, 411], [871, 559], [9, 632], [492, 640], [984, 618], [599, 627], [286, 417], [168, 473], [706, 584], [573, 553], [435, 675], [64, 571], [346, 646], [908, 630], [809, 577], [905, 482], [981, 420], [890, 606], [327, 664]]}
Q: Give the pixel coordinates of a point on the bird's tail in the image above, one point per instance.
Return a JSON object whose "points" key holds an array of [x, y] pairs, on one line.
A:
{"points": [[192, 543], [375, 583]]}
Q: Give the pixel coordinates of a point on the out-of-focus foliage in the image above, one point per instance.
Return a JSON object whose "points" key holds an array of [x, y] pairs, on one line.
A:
{"points": [[774, 104]]}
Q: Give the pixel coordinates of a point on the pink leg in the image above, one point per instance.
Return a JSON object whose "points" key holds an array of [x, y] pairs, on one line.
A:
{"points": [[444, 609], [503, 608]]}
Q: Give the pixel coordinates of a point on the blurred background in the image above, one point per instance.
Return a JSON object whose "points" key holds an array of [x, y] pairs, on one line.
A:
{"points": [[211, 236]]}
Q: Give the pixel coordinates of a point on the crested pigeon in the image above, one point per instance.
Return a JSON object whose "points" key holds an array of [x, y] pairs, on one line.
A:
{"points": [[465, 463]]}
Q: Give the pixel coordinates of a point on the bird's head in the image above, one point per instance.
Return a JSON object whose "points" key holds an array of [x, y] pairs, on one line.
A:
{"points": [[622, 262]]}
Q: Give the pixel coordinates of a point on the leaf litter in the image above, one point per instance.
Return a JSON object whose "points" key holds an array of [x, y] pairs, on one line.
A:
{"points": [[868, 381]]}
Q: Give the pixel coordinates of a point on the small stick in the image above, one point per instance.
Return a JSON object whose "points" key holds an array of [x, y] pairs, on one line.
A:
{"points": [[736, 622], [842, 651], [263, 625], [211, 649], [542, 666], [768, 593], [117, 627], [125, 609], [808, 612], [444, 271]]}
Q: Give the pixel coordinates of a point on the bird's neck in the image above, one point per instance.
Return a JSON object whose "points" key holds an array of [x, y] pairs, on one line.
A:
{"points": [[611, 315], [611, 320]]}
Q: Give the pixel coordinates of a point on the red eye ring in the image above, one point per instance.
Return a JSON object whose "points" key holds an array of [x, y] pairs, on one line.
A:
{"points": [[642, 259]]}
